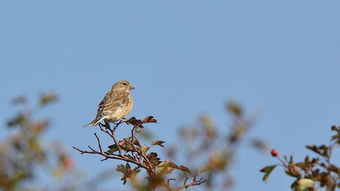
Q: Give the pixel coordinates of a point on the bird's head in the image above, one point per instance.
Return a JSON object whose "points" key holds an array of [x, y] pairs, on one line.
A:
{"points": [[123, 85]]}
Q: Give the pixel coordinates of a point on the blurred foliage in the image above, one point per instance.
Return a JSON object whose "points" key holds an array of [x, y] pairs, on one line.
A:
{"points": [[313, 173], [210, 150], [24, 155], [207, 150], [23, 152]]}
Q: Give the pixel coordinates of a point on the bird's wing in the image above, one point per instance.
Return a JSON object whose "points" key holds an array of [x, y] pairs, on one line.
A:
{"points": [[112, 101]]}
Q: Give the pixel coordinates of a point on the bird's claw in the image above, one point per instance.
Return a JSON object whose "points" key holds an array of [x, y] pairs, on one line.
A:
{"points": [[124, 120]]}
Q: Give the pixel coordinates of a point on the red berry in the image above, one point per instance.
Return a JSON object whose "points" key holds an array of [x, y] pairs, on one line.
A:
{"points": [[68, 163], [274, 153]]}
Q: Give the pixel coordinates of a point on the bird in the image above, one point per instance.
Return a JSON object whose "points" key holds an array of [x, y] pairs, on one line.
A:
{"points": [[116, 104]]}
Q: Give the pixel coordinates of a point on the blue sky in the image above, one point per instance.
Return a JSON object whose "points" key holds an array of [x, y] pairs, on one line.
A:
{"points": [[280, 59]]}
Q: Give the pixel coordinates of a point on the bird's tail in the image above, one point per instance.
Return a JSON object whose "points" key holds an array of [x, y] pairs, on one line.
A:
{"points": [[93, 123]]}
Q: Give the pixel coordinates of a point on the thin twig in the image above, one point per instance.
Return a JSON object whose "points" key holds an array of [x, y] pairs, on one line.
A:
{"points": [[112, 135], [99, 144], [186, 178], [111, 157], [168, 181], [141, 152], [167, 186], [194, 182]]}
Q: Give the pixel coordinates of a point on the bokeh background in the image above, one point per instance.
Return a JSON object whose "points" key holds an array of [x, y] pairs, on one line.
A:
{"points": [[280, 59]]}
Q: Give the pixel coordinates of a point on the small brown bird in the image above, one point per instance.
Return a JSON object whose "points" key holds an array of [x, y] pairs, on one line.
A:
{"points": [[116, 104]]}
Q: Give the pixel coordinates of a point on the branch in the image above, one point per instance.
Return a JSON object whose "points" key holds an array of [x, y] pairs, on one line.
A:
{"points": [[133, 137], [112, 133], [194, 182], [121, 156], [107, 156]]}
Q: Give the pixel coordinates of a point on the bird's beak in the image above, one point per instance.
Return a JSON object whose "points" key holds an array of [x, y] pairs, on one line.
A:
{"points": [[132, 87]]}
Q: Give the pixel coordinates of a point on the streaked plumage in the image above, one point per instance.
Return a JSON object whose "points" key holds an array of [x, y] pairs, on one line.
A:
{"points": [[116, 104]]}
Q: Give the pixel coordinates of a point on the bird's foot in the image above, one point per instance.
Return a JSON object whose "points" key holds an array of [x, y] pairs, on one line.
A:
{"points": [[107, 125], [124, 120]]}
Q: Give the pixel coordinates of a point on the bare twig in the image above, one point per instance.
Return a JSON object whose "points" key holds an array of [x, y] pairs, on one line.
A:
{"points": [[99, 144], [186, 178], [112, 134], [168, 181], [110, 156], [133, 137], [194, 182]]}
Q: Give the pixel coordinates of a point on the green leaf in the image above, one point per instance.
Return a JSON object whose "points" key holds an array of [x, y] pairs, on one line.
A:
{"points": [[149, 119], [267, 170], [293, 170], [235, 108], [290, 160], [47, 98], [285, 158], [173, 165], [303, 184], [112, 148], [336, 137], [315, 161], [205, 169], [160, 143], [126, 170], [184, 169], [164, 168], [289, 173], [121, 168], [153, 158], [302, 165], [20, 119], [322, 150], [145, 149]]}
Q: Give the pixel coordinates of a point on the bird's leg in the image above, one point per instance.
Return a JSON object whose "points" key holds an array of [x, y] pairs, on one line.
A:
{"points": [[116, 124], [107, 125], [124, 120]]}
